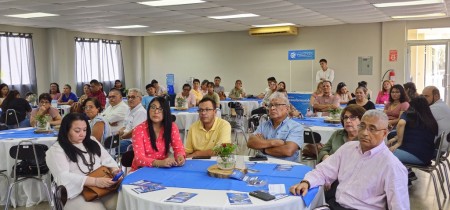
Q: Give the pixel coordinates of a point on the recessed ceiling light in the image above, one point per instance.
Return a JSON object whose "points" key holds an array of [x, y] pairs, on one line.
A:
{"points": [[32, 15], [274, 25], [166, 32], [419, 16], [407, 3], [161, 3], [129, 26], [234, 16]]}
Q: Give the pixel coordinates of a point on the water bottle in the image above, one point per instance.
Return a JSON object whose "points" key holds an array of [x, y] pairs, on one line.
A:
{"points": [[308, 112], [55, 103]]}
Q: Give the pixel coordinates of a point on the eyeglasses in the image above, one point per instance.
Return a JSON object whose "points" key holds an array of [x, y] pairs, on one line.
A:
{"points": [[351, 118], [44, 102], [155, 108], [186, 89], [89, 107], [372, 129], [111, 97], [204, 110], [275, 105], [132, 97]]}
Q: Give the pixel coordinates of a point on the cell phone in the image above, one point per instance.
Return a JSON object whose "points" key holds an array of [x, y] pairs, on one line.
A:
{"points": [[257, 158], [117, 176], [201, 157], [262, 195]]}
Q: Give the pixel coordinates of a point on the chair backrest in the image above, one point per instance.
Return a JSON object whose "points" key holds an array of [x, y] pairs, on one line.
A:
{"points": [[112, 142], [60, 197], [311, 137], [438, 146], [11, 114], [174, 118], [29, 152], [127, 158]]}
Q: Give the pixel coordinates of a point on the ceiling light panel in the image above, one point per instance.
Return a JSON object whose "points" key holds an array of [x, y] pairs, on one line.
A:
{"points": [[161, 3], [244, 15], [407, 3], [33, 15], [128, 26]]}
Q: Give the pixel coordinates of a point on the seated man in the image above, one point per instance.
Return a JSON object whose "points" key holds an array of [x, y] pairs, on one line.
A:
{"points": [[196, 90], [327, 101], [45, 109], [211, 94], [208, 132], [136, 116], [280, 137], [369, 175], [187, 98], [439, 109], [266, 99], [117, 110], [220, 90], [97, 92], [151, 94]]}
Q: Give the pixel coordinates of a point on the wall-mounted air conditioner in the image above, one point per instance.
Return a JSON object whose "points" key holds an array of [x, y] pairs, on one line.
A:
{"points": [[273, 31]]}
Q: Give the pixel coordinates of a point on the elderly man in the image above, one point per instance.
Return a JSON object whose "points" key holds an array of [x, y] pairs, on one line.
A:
{"points": [[208, 132], [327, 101], [369, 175], [96, 92], [439, 109], [136, 116], [280, 137], [187, 97], [211, 94], [325, 74], [117, 110]]}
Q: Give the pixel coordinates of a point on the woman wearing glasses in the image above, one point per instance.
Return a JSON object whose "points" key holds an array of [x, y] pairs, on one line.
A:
{"points": [[45, 108], [153, 138], [99, 125]]}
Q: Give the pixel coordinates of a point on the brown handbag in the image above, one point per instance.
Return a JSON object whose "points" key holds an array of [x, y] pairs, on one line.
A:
{"points": [[91, 193]]}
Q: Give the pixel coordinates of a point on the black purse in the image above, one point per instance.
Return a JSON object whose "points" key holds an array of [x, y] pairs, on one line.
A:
{"points": [[29, 168]]}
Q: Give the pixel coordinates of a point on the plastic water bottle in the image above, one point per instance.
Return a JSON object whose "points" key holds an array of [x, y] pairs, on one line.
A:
{"points": [[308, 112], [55, 103]]}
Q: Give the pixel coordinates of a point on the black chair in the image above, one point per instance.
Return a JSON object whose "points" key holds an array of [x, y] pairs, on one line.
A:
{"points": [[127, 159], [11, 113], [111, 143], [60, 197], [31, 166], [444, 160], [310, 137], [236, 119]]}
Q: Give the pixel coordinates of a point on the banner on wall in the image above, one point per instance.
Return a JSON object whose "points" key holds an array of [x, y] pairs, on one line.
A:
{"points": [[300, 101], [170, 78], [301, 54]]}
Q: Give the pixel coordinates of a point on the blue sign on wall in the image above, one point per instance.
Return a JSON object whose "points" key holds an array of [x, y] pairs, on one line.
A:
{"points": [[301, 54], [300, 101]]}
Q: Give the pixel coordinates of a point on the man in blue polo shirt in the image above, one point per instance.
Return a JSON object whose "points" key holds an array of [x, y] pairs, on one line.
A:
{"points": [[280, 137]]}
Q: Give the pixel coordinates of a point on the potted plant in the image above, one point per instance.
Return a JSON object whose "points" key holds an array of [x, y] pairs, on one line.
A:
{"points": [[181, 103], [41, 122], [335, 113], [226, 159]]}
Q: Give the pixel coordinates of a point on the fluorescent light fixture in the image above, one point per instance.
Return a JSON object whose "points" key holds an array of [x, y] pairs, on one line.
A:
{"points": [[407, 3], [166, 32], [274, 25], [32, 15], [161, 3], [419, 16], [245, 15], [129, 26]]}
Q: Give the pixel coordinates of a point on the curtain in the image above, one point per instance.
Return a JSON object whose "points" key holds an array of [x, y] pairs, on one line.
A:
{"points": [[17, 66], [98, 59]]}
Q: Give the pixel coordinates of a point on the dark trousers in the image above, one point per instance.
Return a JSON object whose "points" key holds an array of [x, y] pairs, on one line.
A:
{"points": [[335, 205]]}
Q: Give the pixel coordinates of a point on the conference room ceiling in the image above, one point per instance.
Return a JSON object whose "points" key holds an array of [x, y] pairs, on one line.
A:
{"points": [[97, 15]]}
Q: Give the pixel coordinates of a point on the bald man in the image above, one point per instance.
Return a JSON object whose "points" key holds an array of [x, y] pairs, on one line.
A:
{"points": [[439, 109]]}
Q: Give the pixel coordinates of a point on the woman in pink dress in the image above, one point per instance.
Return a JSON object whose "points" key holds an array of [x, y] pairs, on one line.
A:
{"points": [[398, 103], [383, 95]]}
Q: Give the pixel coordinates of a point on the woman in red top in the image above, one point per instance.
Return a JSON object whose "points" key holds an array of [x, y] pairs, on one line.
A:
{"points": [[153, 138]]}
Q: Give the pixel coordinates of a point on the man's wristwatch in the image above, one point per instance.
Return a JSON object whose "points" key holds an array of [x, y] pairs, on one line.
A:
{"points": [[306, 181]]}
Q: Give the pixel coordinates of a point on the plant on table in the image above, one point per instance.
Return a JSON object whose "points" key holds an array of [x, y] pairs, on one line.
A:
{"points": [[335, 113], [225, 152], [42, 121], [180, 102]]}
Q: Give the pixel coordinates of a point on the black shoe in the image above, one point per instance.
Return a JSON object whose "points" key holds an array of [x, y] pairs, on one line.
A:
{"points": [[409, 184], [412, 176]]}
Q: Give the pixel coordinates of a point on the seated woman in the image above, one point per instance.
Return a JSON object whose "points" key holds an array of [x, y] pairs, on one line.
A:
{"points": [[397, 105], [383, 95], [416, 131], [316, 93], [67, 97], [238, 91], [361, 99], [153, 138], [368, 92], [73, 157], [20, 105], [54, 91], [4, 89], [99, 125], [350, 119], [118, 85], [343, 93], [410, 89], [45, 108]]}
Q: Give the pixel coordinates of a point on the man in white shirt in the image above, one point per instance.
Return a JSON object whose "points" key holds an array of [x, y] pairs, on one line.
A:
{"points": [[189, 98], [117, 110], [136, 116], [325, 74], [439, 109]]}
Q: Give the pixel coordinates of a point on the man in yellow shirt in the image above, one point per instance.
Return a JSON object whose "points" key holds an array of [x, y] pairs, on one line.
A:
{"points": [[207, 132], [196, 90]]}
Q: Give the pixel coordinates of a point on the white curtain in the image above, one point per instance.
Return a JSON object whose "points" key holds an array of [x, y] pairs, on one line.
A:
{"points": [[17, 67], [98, 59]]}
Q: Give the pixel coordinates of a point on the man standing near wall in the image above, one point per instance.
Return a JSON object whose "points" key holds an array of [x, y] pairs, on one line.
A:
{"points": [[325, 73]]}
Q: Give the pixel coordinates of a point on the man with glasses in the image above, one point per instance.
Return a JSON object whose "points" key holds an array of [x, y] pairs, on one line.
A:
{"points": [[96, 92], [45, 108], [369, 175], [136, 116], [186, 97], [280, 137], [439, 109], [117, 110], [327, 101], [208, 131]]}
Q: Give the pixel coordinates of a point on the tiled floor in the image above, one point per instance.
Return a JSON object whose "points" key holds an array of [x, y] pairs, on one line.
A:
{"points": [[421, 194]]}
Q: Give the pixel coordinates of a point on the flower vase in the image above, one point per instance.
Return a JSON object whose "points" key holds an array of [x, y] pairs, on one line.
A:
{"points": [[226, 162], [43, 126]]}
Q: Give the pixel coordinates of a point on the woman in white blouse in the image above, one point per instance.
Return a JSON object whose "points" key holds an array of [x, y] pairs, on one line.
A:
{"points": [[73, 157]]}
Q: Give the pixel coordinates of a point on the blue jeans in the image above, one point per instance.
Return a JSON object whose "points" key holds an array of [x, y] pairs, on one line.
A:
{"points": [[406, 157], [25, 123], [124, 143]]}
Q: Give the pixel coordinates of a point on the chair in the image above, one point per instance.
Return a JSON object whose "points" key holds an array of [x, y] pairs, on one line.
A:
{"points": [[434, 166], [9, 113], [2, 173], [236, 120], [60, 197], [310, 137], [111, 143], [445, 162], [127, 159], [27, 151]]}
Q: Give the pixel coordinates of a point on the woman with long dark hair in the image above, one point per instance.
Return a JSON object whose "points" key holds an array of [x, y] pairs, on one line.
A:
{"points": [[54, 91], [4, 89], [398, 103], [416, 131], [343, 93], [20, 105], [411, 90], [73, 157], [153, 138], [383, 95]]}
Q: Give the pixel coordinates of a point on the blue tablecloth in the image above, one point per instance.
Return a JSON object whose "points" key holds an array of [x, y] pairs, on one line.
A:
{"points": [[194, 175], [316, 121], [190, 110], [244, 99], [22, 133]]}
